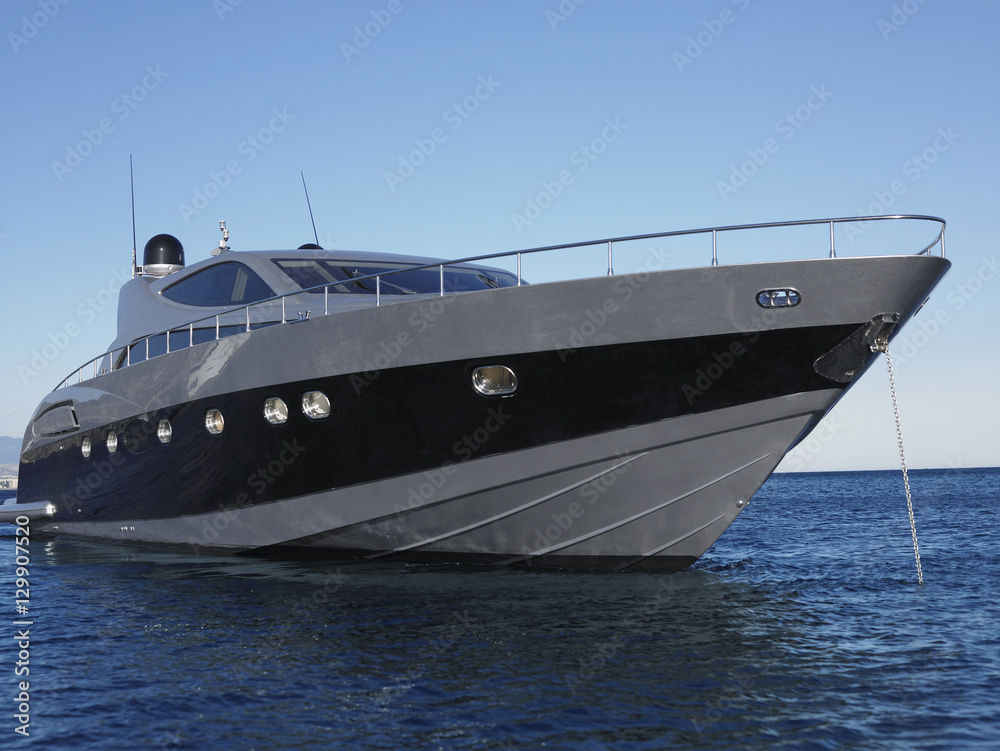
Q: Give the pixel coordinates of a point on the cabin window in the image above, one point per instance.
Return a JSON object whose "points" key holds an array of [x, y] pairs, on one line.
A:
{"points": [[345, 276], [223, 285]]}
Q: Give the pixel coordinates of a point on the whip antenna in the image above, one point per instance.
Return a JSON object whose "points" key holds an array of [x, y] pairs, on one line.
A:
{"points": [[131, 185], [316, 236]]}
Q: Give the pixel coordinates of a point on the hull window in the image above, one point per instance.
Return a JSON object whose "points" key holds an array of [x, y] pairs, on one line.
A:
{"points": [[494, 380], [164, 432], [315, 405], [275, 411], [214, 422]]}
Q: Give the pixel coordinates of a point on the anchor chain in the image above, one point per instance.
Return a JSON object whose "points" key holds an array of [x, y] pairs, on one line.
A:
{"points": [[882, 345]]}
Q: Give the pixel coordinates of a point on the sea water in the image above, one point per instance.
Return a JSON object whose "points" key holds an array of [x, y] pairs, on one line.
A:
{"points": [[803, 627]]}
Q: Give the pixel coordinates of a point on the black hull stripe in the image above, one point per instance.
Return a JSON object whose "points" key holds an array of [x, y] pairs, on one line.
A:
{"points": [[411, 419]]}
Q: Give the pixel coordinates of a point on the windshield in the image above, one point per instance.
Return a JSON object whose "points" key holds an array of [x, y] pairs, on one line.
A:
{"points": [[344, 276]]}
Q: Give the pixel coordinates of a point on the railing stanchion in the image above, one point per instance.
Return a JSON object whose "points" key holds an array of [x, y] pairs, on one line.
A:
{"points": [[326, 300], [833, 252], [518, 269], [442, 279], [191, 334], [216, 328], [282, 308], [942, 243], [247, 309], [611, 271], [715, 250], [378, 291]]}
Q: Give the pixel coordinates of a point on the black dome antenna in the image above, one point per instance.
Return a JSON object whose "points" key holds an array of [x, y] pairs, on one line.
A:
{"points": [[162, 255]]}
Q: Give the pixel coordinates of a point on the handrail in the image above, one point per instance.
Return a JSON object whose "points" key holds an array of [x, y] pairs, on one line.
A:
{"points": [[190, 325]]}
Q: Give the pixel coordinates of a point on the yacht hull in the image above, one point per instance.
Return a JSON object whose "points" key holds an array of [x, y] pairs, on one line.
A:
{"points": [[649, 410]]}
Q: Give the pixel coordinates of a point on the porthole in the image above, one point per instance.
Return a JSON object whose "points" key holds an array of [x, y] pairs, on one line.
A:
{"points": [[778, 298], [275, 411], [85, 447], [164, 431], [214, 423], [315, 405], [494, 380], [112, 441]]}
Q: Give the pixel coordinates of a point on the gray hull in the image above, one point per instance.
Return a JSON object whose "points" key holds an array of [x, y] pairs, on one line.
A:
{"points": [[639, 465]]}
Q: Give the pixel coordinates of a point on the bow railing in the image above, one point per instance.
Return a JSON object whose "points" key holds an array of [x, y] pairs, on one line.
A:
{"points": [[240, 319]]}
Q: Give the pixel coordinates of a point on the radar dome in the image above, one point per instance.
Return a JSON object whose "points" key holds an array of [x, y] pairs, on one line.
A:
{"points": [[163, 255]]}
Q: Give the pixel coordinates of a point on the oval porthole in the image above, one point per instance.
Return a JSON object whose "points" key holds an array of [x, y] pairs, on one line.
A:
{"points": [[85, 447], [214, 422], [275, 411], [315, 405], [164, 431], [494, 380], [112, 441], [779, 298]]}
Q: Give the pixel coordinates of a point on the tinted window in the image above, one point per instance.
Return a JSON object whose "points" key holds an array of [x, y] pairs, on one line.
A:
{"points": [[309, 273], [223, 285]]}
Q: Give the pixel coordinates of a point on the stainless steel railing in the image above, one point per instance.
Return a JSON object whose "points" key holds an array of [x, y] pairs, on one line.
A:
{"points": [[122, 356]]}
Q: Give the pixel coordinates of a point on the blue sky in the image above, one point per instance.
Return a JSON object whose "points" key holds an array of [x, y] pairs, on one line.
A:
{"points": [[428, 127]]}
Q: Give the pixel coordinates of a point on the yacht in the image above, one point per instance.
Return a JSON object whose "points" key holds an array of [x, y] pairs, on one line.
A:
{"points": [[364, 405]]}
